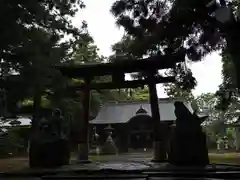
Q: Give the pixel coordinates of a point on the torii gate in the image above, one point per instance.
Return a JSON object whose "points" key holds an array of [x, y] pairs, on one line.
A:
{"points": [[117, 70]]}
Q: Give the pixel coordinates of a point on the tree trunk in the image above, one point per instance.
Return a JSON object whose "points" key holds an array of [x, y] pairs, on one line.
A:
{"points": [[33, 161], [233, 41]]}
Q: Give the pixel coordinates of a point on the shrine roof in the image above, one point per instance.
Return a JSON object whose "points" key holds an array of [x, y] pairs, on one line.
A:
{"points": [[120, 66], [122, 112], [24, 121]]}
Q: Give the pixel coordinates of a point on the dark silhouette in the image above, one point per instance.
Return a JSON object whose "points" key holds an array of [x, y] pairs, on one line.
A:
{"points": [[56, 122], [188, 144], [51, 149]]}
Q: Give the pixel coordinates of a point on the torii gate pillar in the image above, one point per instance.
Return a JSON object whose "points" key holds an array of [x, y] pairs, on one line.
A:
{"points": [[84, 125], [159, 143]]}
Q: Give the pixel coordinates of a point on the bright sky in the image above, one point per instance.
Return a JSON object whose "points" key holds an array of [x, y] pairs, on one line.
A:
{"points": [[101, 25]]}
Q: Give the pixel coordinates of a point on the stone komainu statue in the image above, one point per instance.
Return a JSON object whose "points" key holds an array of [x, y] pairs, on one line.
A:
{"points": [[50, 149], [188, 144]]}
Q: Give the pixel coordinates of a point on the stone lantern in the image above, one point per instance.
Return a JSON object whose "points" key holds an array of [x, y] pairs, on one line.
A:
{"points": [[109, 130], [109, 146]]}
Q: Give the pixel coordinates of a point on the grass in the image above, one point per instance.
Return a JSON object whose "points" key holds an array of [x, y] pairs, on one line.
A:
{"points": [[226, 158], [12, 164]]}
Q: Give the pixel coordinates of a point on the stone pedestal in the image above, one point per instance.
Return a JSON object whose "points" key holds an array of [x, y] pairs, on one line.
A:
{"points": [[109, 147], [49, 154], [159, 152], [83, 153], [189, 150]]}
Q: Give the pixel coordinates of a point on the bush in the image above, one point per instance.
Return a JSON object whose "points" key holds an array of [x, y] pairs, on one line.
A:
{"points": [[11, 144]]}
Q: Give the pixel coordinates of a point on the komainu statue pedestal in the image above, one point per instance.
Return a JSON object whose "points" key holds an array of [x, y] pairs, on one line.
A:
{"points": [[49, 154], [189, 150], [159, 153]]}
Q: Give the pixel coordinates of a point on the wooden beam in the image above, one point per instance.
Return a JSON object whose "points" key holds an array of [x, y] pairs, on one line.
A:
{"points": [[125, 84], [121, 66]]}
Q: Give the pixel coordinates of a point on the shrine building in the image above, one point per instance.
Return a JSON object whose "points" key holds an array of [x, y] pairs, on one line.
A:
{"points": [[131, 122]]}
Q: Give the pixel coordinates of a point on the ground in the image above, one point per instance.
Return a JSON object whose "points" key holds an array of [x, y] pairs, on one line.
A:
{"points": [[19, 163], [226, 158]]}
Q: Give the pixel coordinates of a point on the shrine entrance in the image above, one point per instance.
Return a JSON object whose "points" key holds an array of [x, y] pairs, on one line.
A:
{"points": [[141, 130], [141, 140]]}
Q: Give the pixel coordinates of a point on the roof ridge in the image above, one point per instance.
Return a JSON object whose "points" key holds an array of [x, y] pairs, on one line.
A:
{"points": [[140, 101]]}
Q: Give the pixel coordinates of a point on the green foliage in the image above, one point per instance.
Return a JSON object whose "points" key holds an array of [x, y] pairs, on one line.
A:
{"points": [[151, 29], [228, 71], [228, 91], [140, 94], [152, 26], [187, 27], [121, 49], [86, 52], [206, 102], [175, 91], [31, 43], [32, 33], [216, 124], [184, 78]]}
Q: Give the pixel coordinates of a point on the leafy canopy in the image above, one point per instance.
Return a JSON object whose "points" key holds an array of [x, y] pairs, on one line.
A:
{"points": [[167, 27]]}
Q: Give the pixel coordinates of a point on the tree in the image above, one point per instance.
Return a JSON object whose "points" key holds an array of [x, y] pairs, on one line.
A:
{"points": [[188, 27], [121, 48], [152, 26], [174, 91], [228, 91], [215, 125], [86, 52], [207, 103], [228, 72], [181, 88], [31, 25], [184, 78], [31, 41]]}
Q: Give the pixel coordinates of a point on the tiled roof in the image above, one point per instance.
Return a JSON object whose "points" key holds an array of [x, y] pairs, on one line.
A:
{"points": [[122, 112]]}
